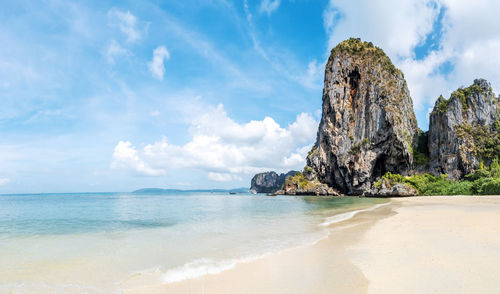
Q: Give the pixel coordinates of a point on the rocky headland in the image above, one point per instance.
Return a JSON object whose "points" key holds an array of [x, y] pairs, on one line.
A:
{"points": [[269, 182], [368, 142]]}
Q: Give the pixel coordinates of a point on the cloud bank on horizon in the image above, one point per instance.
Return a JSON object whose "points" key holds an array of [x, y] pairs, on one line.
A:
{"points": [[114, 96]]}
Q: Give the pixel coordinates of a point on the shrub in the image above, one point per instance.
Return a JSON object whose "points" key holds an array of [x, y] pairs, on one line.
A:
{"points": [[356, 148], [487, 186], [484, 181]]}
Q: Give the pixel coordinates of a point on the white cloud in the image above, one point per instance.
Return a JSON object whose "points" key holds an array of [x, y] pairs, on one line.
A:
{"points": [[223, 177], [269, 6], [154, 113], [225, 149], [423, 78], [126, 156], [4, 181], [115, 50], [127, 22], [156, 66]]}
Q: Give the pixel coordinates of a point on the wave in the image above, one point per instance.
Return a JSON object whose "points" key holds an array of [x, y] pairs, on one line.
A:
{"points": [[348, 215], [204, 266]]}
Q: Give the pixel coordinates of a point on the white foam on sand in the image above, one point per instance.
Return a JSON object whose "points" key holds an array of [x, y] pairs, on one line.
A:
{"points": [[204, 266], [348, 215]]}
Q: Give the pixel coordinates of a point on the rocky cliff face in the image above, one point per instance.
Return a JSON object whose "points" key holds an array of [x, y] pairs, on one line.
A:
{"points": [[269, 182], [464, 130], [368, 126]]}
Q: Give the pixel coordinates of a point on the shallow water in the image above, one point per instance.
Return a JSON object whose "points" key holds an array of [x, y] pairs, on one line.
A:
{"points": [[98, 243]]}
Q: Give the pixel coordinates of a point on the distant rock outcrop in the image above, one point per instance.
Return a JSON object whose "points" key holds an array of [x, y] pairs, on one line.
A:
{"points": [[269, 182], [368, 126], [464, 130]]}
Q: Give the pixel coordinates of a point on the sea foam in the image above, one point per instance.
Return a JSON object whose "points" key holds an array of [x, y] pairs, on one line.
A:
{"points": [[204, 266], [348, 215]]}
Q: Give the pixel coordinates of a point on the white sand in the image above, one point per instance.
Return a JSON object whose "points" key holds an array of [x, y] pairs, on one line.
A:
{"points": [[415, 245], [433, 245]]}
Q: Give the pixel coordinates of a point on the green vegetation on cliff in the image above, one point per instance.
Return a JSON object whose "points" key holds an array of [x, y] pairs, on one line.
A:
{"points": [[485, 140], [367, 50], [484, 181], [421, 153], [302, 182], [461, 94]]}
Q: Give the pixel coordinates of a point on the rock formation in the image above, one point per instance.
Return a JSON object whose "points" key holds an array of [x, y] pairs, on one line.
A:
{"points": [[391, 185], [300, 185], [464, 130], [368, 129], [269, 182], [368, 126]]}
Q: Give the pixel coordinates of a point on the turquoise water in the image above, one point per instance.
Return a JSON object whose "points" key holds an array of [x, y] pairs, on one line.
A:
{"points": [[53, 242]]}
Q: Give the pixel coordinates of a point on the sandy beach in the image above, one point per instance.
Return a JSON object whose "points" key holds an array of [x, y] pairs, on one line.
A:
{"points": [[445, 244]]}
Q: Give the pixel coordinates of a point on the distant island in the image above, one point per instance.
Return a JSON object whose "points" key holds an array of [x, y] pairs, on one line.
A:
{"points": [[368, 142]]}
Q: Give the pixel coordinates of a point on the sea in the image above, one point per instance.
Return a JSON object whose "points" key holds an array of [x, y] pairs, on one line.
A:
{"points": [[106, 242]]}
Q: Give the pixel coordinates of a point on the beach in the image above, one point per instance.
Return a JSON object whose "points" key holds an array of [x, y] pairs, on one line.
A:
{"points": [[115, 242], [438, 244]]}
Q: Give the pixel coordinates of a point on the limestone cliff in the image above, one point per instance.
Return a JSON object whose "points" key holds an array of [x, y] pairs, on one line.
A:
{"points": [[368, 126], [464, 130], [269, 182]]}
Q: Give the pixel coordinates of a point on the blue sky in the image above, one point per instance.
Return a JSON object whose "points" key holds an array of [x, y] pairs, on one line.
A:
{"points": [[120, 95]]}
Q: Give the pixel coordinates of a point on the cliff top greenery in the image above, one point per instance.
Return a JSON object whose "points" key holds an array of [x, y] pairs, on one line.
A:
{"points": [[461, 94], [355, 46]]}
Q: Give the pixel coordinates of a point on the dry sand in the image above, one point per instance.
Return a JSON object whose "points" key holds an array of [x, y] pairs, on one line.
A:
{"points": [[445, 244]]}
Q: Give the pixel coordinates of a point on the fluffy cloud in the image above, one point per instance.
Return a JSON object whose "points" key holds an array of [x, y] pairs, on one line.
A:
{"points": [[467, 39], [225, 149], [156, 66], [472, 40], [126, 156], [269, 6], [127, 22]]}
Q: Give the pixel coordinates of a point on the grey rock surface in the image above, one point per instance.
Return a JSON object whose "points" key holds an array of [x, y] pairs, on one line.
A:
{"points": [[269, 182], [368, 126], [398, 189], [456, 127]]}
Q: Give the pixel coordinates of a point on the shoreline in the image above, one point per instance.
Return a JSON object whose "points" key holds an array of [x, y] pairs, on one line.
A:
{"points": [[366, 252]]}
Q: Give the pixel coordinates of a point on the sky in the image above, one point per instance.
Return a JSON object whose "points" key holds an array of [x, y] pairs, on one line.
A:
{"points": [[104, 95]]}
